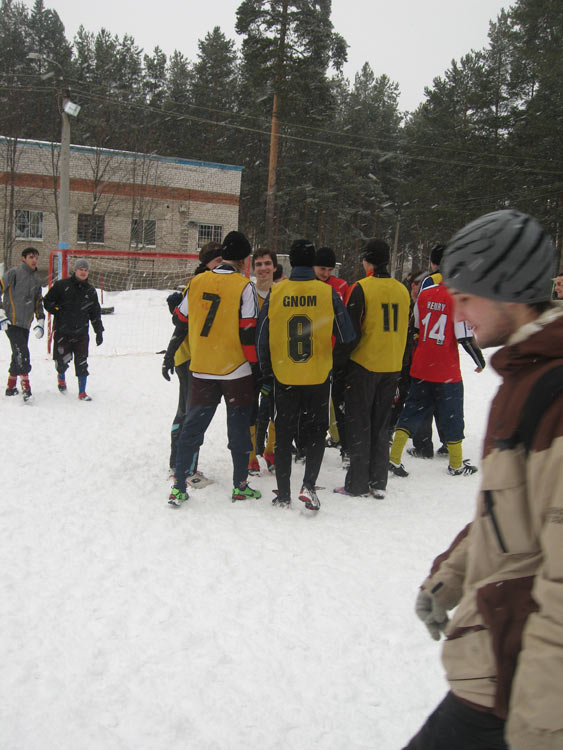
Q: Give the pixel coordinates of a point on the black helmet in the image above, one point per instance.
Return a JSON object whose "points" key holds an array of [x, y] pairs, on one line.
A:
{"points": [[505, 255]]}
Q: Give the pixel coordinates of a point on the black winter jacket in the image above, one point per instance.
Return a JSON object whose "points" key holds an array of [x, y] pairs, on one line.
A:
{"points": [[74, 304]]}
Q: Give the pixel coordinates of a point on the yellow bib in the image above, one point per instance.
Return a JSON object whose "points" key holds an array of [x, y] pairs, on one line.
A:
{"points": [[301, 320], [384, 327], [183, 352], [213, 315]]}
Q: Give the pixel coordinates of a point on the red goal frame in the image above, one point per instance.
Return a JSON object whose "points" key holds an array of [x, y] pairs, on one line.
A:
{"points": [[59, 266]]}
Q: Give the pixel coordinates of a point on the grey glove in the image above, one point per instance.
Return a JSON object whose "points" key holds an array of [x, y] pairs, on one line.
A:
{"points": [[432, 614]]}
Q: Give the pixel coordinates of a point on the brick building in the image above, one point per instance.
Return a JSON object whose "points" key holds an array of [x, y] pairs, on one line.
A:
{"points": [[119, 200]]}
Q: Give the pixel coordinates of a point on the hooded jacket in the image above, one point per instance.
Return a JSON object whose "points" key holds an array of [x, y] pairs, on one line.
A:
{"points": [[22, 296], [74, 304], [504, 572]]}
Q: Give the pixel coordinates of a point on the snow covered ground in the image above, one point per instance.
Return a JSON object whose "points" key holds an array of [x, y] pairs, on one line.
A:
{"points": [[127, 624]]}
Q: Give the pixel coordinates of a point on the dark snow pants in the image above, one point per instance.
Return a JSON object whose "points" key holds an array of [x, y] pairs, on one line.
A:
{"points": [[369, 400], [456, 726], [205, 396], [66, 347], [310, 406], [185, 380], [19, 337]]}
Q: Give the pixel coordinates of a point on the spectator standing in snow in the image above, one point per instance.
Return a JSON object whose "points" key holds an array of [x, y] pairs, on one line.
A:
{"points": [[74, 304], [503, 652], [22, 296]]}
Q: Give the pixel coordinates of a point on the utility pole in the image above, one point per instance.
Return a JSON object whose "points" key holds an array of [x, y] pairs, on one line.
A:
{"points": [[274, 133], [396, 246], [67, 108], [64, 177]]}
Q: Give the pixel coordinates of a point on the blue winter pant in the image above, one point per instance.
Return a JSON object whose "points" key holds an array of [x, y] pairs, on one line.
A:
{"points": [[445, 399], [205, 396]]}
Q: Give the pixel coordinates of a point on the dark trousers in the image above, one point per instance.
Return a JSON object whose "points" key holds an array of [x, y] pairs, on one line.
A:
{"points": [[426, 397], [338, 401], [205, 396], [422, 439], [19, 337], [309, 406], [66, 347], [456, 726], [184, 380], [369, 400], [265, 414]]}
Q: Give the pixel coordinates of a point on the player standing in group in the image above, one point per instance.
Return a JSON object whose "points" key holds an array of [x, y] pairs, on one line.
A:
{"points": [[22, 301], [221, 311], [296, 326], [503, 652], [436, 385], [264, 264], [177, 359], [74, 304], [325, 263], [379, 309]]}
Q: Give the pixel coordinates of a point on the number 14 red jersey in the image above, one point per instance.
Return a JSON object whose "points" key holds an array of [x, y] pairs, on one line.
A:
{"points": [[436, 357]]}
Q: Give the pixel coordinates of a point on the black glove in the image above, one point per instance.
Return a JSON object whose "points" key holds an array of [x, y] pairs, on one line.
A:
{"points": [[99, 338], [167, 368]]}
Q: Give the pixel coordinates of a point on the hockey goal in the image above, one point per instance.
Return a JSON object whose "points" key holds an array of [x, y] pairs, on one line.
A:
{"points": [[132, 288]]}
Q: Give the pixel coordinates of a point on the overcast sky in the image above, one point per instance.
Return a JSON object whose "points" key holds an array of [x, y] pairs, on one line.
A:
{"points": [[412, 41]]}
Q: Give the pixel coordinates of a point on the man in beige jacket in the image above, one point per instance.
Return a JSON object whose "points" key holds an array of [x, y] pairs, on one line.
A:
{"points": [[503, 574]]}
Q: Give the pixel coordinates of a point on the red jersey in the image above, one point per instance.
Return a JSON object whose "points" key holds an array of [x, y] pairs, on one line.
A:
{"points": [[436, 357], [340, 286]]}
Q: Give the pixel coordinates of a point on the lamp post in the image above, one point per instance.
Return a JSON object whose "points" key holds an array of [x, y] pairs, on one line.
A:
{"points": [[67, 108]]}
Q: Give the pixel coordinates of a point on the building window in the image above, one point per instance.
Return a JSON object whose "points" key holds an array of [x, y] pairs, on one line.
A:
{"points": [[90, 228], [29, 225], [209, 233], [143, 232]]}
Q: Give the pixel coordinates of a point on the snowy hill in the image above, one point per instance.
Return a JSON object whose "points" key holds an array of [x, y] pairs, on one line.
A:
{"points": [[218, 626]]}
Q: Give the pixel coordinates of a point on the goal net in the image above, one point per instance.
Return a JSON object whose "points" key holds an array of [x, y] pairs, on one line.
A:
{"points": [[132, 288]]}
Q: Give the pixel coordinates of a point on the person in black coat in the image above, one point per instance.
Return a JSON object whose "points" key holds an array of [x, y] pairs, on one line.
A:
{"points": [[74, 304]]}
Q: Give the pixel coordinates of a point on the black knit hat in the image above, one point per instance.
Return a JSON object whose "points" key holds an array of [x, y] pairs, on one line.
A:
{"points": [[377, 253], [302, 253], [436, 254], [235, 247], [325, 257]]}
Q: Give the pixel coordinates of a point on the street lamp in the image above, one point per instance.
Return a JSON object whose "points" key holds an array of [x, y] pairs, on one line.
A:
{"points": [[67, 108]]}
